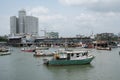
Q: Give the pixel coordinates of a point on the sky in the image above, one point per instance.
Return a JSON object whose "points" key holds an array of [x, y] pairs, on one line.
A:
{"points": [[68, 17]]}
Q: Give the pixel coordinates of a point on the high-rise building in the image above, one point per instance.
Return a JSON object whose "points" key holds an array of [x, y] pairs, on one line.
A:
{"points": [[31, 25], [23, 24], [13, 25], [22, 13], [21, 21]]}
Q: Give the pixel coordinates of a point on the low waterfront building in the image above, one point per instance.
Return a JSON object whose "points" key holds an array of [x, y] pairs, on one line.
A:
{"points": [[105, 36], [14, 41], [21, 40], [71, 42]]}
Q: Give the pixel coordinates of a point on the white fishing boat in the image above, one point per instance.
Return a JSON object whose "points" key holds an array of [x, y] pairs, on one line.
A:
{"points": [[4, 49], [5, 53], [39, 53], [28, 49], [42, 48], [103, 48]]}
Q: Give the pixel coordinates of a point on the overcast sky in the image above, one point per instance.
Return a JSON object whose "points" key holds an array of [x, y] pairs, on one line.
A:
{"points": [[68, 17]]}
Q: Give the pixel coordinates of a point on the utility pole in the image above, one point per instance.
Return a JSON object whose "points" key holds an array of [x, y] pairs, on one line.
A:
{"points": [[44, 32]]}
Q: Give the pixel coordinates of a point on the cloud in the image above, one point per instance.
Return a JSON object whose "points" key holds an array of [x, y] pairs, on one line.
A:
{"points": [[4, 25], [44, 14], [95, 15], [88, 2], [98, 22], [73, 17], [78, 2], [37, 10], [94, 5], [49, 18], [84, 23]]}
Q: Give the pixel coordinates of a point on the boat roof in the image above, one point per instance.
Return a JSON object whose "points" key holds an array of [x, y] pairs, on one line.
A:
{"points": [[74, 52]]}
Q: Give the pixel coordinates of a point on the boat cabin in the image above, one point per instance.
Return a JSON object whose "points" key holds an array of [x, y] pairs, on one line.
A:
{"points": [[70, 55]]}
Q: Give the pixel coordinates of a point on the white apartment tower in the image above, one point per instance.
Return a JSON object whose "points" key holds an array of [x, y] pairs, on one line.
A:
{"points": [[21, 21], [31, 25], [23, 24], [13, 25]]}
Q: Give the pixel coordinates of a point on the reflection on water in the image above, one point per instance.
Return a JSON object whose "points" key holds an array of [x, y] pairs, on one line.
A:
{"points": [[70, 68], [75, 72]]}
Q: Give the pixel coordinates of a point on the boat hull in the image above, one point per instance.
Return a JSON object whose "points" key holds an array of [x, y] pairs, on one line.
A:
{"points": [[102, 48], [5, 53], [28, 50], [70, 62], [42, 55]]}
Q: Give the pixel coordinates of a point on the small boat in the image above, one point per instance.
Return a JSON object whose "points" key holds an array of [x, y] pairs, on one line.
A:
{"points": [[84, 46], [70, 58], [42, 48], [103, 48], [5, 53], [118, 45], [39, 53], [28, 49], [4, 49]]}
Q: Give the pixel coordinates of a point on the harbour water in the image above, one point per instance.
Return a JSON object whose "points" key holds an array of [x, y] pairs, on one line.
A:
{"points": [[23, 66]]}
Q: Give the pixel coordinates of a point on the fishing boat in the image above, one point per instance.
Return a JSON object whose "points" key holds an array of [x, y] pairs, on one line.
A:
{"points": [[70, 58], [118, 45], [42, 48], [28, 49], [4, 49], [103, 48], [39, 53], [5, 53]]}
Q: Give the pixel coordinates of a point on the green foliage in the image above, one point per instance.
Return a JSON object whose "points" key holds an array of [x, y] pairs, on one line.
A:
{"points": [[3, 39], [107, 38]]}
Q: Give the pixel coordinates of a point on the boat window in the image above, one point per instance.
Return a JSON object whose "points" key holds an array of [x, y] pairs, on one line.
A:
{"points": [[86, 53], [77, 55], [82, 54], [72, 54], [68, 56]]}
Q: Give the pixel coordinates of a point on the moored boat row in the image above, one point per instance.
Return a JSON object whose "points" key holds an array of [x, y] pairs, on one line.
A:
{"points": [[33, 49], [60, 57]]}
